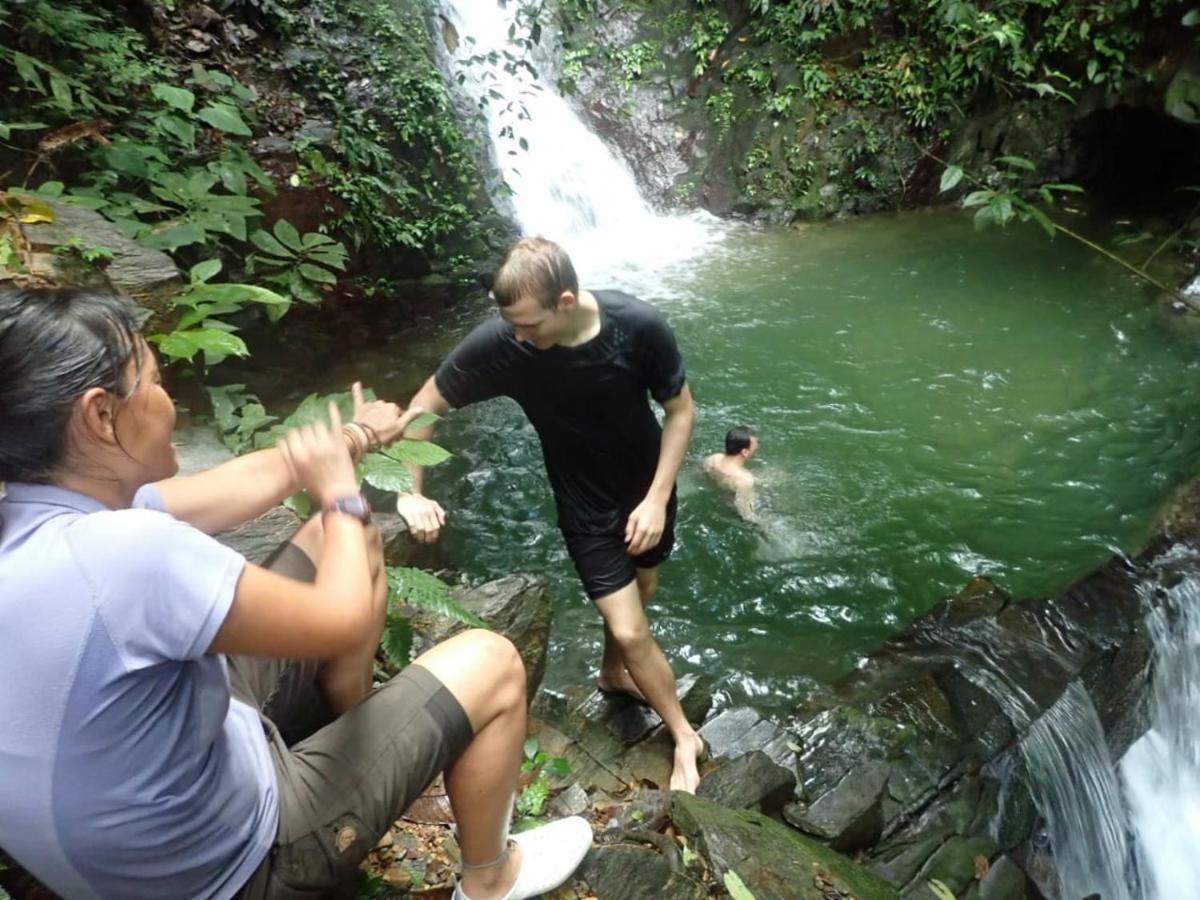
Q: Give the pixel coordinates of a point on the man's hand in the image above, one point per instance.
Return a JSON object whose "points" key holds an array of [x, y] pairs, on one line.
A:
{"points": [[644, 528], [382, 419], [423, 516]]}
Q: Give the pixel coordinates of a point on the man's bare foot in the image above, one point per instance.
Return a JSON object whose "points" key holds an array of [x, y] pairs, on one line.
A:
{"points": [[620, 684], [686, 775]]}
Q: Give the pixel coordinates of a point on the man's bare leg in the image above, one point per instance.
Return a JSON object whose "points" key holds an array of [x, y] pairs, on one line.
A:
{"points": [[614, 676], [651, 673]]}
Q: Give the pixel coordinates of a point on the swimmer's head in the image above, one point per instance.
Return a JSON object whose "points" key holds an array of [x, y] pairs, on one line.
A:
{"points": [[740, 441]]}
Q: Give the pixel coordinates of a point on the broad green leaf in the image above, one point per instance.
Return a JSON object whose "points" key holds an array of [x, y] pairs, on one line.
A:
{"points": [[51, 189], [424, 420], [27, 69], [177, 98], [1191, 18], [268, 244], [126, 160], [736, 887], [977, 198], [174, 237], [1065, 188], [61, 90], [301, 289], [185, 344], [7, 128], [385, 473], [317, 274], [225, 399], [1017, 162], [950, 178], [225, 118], [417, 453], [1042, 219], [180, 129], [984, 217], [287, 234], [940, 890], [202, 271], [316, 239], [530, 747], [331, 258], [237, 293]]}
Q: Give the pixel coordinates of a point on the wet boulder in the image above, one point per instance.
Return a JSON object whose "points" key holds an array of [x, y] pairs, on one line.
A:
{"points": [[751, 781], [772, 860]]}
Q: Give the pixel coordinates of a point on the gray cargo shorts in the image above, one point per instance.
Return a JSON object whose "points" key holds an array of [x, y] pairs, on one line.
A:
{"points": [[342, 781]]}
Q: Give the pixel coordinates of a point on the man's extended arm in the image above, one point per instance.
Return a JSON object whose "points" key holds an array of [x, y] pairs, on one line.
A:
{"points": [[645, 526], [424, 517]]}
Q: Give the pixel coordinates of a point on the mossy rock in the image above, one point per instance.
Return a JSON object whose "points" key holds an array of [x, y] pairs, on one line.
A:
{"points": [[773, 861]]}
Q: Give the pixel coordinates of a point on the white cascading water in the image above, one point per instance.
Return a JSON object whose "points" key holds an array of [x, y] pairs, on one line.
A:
{"points": [[1077, 790], [565, 184], [1162, 770]]}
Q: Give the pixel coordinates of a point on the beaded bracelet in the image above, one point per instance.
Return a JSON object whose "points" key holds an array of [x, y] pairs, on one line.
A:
{"points": [[357, 439]]}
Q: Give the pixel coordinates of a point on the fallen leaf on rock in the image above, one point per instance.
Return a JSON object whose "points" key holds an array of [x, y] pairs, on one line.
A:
{"points": [[981, 867]]}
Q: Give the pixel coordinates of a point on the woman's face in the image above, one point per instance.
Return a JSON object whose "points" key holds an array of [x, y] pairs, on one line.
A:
{"points": [[146, 420]]}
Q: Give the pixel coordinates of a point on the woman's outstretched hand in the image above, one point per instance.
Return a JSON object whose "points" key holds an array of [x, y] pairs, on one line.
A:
{"points": [[317, 456]]}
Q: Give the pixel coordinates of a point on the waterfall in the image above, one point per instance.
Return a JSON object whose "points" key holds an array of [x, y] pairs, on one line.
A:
{"points": [[1076, 788], [556, 178], [1162, 770], [1073, 779]]}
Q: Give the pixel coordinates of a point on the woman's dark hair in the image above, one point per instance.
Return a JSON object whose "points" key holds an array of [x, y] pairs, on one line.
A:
{"points": [[55, 344], [738, 439]]}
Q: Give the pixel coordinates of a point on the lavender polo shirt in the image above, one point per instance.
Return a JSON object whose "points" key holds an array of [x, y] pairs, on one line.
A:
{"points": [[126, 770]]}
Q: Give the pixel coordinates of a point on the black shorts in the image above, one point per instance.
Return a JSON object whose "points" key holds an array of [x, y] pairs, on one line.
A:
{"points": [[603, 564]]}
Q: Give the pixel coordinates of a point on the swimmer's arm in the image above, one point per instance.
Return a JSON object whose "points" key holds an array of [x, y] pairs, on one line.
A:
{"points": [[745, 501]]}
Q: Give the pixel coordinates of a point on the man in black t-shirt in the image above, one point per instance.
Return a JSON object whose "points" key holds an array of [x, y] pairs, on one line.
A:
{"points": [[582, 364]]}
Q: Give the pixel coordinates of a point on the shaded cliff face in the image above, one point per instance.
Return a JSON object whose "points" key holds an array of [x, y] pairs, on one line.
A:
{"points": [[710, 110]]}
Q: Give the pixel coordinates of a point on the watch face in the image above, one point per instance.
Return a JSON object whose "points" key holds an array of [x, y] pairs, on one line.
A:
{"points": [[354, 506]]}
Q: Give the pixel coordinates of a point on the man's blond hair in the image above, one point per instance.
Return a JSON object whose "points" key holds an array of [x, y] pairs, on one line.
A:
{"points": [[534, 267]]}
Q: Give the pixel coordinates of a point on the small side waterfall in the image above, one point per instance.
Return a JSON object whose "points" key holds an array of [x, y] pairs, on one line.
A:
{"points": [[1073, 779], [1078, 793], [558, 179], [1162, 770]]}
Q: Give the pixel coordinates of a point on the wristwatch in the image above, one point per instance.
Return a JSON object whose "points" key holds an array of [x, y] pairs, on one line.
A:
{"points": [[355, 505]]}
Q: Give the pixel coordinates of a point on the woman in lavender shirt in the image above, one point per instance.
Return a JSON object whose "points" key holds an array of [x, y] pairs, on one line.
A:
{"points": [[178, 722]]}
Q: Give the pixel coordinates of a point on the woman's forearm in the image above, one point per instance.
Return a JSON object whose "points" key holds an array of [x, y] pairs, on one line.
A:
{"points": [[229, 494]]}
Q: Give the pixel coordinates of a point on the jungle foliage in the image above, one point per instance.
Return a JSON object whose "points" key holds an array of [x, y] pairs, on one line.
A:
{"points": [[146, 112]]}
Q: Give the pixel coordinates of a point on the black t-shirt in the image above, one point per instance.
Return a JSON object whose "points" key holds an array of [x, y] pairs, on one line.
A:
{"points": [[588, 403]]}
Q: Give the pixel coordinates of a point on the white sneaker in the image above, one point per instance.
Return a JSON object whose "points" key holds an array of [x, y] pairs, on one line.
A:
{"points": [[550, 854]]}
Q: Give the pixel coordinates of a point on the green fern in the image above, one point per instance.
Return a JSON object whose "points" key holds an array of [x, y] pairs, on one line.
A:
{"points": [[397, 640], [425, 591]]}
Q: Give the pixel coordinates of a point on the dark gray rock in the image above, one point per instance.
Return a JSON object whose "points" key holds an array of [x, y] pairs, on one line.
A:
{"points": [[1004, 881], [517, 606], [630, 720], [749, 782], [736, 732], [773, 861], [851, 815], [635, 873], [148, 276]]}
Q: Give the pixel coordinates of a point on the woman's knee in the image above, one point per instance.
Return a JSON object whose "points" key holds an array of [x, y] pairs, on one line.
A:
{"points": [[480, 667]]}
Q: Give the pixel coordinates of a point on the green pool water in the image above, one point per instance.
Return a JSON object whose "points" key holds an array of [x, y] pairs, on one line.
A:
{"points": [[933, 404]]}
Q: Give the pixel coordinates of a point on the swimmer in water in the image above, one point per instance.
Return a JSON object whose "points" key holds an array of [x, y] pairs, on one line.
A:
{"points": [[729, 470]]}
